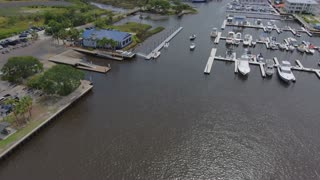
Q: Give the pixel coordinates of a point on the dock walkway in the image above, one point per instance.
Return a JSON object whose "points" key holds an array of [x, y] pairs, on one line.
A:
{"points": [[160, 46], [208, 67]]}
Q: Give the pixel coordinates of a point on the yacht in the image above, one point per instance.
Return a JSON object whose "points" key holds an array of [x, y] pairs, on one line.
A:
{"points": [[285, 73], [230, 38], [247, 40], [156, 54], [214, 33], [192, 37], [237, 38], [192, 46], [259, 57], [269, 67], [243, 64]]}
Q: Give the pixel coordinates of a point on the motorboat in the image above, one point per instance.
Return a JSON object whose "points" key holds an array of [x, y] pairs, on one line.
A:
{"points": [[273, 45], [302, 48], [298, 34], [311, 49], [293, 42], [214, 33], [253, 43], [247, 40], [269, 67], [166, 45], [243, 64], [156, 54], [192, 46], [291, 48], [282, 46], [259, 57], [285, 73], [237, 38], [192, 37], [230, 54], [230, 38]]}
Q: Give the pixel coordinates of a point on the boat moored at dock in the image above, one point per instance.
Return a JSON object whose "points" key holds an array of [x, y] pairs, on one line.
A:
{"points": [[243, 64], [285, 73], [269, 67]]}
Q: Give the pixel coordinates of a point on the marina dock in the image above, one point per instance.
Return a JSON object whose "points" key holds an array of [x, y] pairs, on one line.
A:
{"points": [[160, 46], [104, 54], [74, 59], [216, 41], [208, 67], [224, 24]]}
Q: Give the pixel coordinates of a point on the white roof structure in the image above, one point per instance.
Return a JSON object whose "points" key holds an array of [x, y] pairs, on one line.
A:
{"points": [[302, 1]]}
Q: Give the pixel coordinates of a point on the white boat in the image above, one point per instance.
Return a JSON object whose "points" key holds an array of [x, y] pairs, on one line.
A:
{"points": [[282, 46], [156, 54], [291, 48], [302, 48], [243, 64], [269, 67], [273, 45], [247, 40], [214, 33], [192, 37], [166, 45], [237, 38], [293, 42], [285, 73], [259, 57], [230, 38], [253, 43], [192, 46]]}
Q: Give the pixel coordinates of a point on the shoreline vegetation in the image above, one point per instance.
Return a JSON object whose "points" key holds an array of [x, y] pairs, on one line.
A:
{"points": [[43, 93]]}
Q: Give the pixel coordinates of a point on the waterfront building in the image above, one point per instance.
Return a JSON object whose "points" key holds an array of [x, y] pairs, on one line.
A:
{"points": [[90, 37], [300, 6]]}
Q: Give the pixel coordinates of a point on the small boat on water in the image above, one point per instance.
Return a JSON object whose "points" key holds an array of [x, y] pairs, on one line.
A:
{"points": [[166, 45], [230, 37], [269, 67], [247, 40], [192, 37], [156, 54], [243, 64], [237, 38], [259, 57], [253, 43], [192, 46], [298, 34], [285, 73], [214, 33], [293, 42]]}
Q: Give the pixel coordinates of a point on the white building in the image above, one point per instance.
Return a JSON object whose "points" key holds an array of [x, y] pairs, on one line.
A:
{"points": [[300, 6]]}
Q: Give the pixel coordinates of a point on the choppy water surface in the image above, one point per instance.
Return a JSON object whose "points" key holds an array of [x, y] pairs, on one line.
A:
{"points": [[165, 119]]}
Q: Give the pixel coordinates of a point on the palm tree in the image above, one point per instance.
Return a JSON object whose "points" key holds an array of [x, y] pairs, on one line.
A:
{"points": [[103, 42], [113, 44], [26, 105]]}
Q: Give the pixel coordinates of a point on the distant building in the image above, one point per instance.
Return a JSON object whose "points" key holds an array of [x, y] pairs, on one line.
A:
{"points": [[90, 37], [300, 6], [199, 1]]}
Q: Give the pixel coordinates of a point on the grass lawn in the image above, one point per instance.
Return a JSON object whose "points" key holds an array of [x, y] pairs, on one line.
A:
{"points": [[310, 19], [6, 30]]}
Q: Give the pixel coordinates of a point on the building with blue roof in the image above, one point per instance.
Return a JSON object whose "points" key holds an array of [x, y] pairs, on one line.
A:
{"points": [[91, 36]]}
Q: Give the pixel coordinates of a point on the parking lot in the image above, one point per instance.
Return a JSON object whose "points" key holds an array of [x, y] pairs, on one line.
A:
{"points": [[236, 6]]}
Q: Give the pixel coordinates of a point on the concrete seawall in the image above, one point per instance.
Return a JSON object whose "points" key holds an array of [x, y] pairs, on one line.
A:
{"points": [[73, 99]]}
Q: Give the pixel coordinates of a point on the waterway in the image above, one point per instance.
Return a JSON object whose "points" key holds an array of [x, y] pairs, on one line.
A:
{"points": [[165, 119]]}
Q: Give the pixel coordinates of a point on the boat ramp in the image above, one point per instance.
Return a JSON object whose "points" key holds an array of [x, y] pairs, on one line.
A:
{"points": [[73, 58]]}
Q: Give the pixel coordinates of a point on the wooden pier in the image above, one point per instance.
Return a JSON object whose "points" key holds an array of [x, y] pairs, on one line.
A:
{"points": [[103, 54], [208, 67]]}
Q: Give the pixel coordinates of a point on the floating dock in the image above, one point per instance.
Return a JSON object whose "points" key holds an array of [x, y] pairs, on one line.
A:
{"points": [[216, 41], [208, 67], [224, 24]]}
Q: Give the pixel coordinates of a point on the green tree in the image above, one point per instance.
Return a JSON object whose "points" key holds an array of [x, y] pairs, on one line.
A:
{"points": [[19, 68], [102, 43], [20, 107], [74, 34], [60, 80]]}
